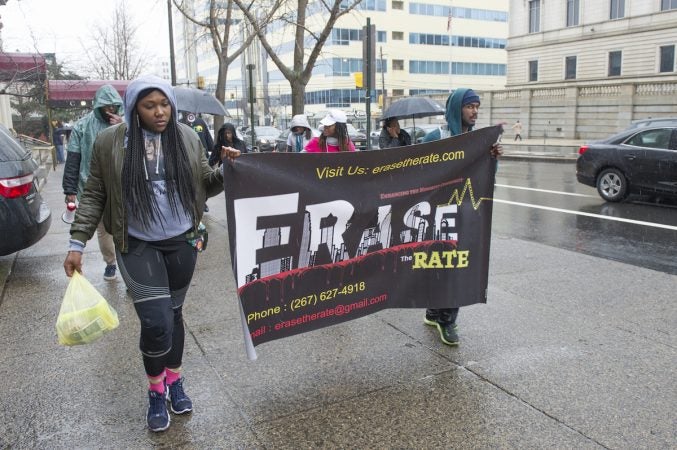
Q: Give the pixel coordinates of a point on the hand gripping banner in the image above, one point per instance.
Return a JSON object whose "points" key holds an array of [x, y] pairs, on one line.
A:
{"points": [[322, 238]]}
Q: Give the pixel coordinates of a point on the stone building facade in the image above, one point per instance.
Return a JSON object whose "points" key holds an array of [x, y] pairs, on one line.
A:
{"points": [[581, 69]]}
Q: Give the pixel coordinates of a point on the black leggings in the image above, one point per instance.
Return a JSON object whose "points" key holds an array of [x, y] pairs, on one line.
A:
{"points": [[157, 275]]}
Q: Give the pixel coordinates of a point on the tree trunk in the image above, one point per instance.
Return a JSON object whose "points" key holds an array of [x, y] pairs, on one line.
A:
{"points": [[298, 93], [220, 91]]}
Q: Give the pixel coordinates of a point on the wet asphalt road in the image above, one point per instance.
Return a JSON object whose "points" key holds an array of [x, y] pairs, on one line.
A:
{"points": [[543, 202]]}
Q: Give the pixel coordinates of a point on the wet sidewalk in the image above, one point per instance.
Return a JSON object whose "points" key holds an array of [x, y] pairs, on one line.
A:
{"points": [[553, 150], [570, 352]]}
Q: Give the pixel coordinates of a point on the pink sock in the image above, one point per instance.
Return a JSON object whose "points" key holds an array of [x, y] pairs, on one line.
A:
{"points": [[172, 376], [157, 383]]}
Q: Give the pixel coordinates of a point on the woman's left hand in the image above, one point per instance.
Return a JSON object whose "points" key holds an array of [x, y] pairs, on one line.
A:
{"points": [[496, 150]]}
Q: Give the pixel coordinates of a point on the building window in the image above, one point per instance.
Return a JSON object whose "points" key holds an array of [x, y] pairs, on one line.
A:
{"points": [[381, 36], [429, 9], [615, 59], [468, 68], [398, 92], [343, 36], [429, 67], [368, 5], [534, 16], [570, 68], [398, 35], [668, 4], [572, 13], [617, 10], [398, 4], [533, 70], [398, 64], [667, 58]]}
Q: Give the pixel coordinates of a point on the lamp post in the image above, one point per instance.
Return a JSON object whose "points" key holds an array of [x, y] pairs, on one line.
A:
{"points": [[237, 107], [252, 97], [172, 63]]}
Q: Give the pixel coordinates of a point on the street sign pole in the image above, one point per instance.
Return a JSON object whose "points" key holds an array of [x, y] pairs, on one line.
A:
{"points": [[252, 97], [369, 55]]}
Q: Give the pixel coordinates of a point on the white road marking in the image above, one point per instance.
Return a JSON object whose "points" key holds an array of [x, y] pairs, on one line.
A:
{"points": [[545, 190], [597, 216]]}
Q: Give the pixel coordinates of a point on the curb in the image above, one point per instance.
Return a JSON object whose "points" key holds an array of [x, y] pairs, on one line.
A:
{"points": [[564, 159]]}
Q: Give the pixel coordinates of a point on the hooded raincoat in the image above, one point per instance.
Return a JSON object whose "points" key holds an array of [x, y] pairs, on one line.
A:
{"points": [[452, 115], [82, 139]]}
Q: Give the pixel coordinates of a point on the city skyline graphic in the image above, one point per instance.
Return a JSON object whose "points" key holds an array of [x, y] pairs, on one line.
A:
{"points": [[376, 236]]}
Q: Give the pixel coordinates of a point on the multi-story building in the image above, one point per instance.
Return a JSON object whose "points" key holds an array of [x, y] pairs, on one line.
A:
{"points": [[584, 69], [422, 47]]}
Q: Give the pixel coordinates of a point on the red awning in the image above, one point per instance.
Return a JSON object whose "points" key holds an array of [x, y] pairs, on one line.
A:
{"points": [[24, 67], [79, 93]]}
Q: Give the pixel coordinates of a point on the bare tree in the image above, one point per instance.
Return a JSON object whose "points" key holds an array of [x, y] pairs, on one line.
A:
{"points": [[115, 53], [299, 74], [219, 27]]}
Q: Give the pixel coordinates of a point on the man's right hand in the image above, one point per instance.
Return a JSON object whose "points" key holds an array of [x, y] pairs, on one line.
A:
{"points": [[229, 153], [71, 198], [72, 263], [114, 119]]}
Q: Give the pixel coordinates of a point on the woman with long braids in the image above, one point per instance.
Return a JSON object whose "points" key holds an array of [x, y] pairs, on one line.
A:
{"points": [[149, 182], [334, 136]]}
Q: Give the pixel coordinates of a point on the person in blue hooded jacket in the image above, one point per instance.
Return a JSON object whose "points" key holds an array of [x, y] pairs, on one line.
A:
{"points": [[461, 113]]}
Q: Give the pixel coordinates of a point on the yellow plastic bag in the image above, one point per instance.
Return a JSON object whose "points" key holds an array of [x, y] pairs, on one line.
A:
{"points": [[84, 315]]}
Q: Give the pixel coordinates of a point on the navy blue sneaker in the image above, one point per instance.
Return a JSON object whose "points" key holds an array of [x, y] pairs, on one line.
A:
{"points": [[179, 401], [157, 416], [109, 273]]}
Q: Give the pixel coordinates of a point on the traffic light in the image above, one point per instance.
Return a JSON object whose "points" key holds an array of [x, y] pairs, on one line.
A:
{"points": [[358, 80]]}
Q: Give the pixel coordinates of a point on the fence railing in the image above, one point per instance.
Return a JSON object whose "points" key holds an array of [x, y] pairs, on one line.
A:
{"points": [[43, 152]]}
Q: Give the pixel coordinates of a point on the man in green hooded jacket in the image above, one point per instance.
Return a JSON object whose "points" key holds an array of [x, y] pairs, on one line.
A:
{"points": [[461, 113], [107, 110]]}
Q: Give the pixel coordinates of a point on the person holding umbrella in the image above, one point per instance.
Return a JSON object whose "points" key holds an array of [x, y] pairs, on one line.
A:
{"points": [[392, 135], [461, 113]]}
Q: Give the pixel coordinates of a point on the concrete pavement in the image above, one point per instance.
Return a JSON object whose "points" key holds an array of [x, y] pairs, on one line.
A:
{"points": [[553, 150], [571, 351]]}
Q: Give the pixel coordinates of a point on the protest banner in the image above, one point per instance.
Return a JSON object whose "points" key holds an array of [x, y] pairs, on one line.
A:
{"points": [[321, 238]]}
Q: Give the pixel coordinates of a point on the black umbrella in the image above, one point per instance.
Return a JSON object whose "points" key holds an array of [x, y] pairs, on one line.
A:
{"points": [[198, 101], [412, 107]]}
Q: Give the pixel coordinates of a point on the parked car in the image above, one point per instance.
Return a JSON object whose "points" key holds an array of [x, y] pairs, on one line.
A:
{"points": [[653, 122], [281, 141], [418, 132], [637, 161], [358, 138], [25, 216], [265, 137]]}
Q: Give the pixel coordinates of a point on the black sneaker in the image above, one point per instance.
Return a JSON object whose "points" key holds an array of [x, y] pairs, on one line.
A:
{"points": [[157, 416], [447, 330], [180, 402], [109, 273]]}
